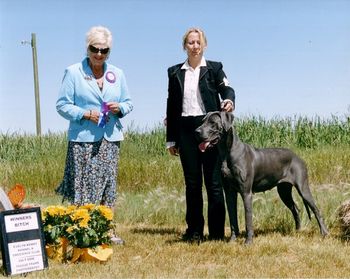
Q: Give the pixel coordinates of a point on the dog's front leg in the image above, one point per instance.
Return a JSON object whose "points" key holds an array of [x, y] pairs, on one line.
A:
{"points": [[231, 203], [248, 209]]}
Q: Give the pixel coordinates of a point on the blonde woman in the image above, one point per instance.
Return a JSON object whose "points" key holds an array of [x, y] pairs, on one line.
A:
{"points": [[196, 87], [93, 97]]}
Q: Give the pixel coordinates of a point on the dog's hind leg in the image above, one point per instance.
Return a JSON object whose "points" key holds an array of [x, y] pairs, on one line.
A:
{"points": [[285, 192], [309, 201], [231, 203]]}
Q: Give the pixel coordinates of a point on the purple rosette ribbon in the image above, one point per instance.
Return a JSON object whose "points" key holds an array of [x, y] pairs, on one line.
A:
{"points": [[103, 119]]}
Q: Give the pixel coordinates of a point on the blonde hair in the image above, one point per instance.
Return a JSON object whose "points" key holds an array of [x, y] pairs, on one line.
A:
{"points": [[99, 35], [202, 37]]}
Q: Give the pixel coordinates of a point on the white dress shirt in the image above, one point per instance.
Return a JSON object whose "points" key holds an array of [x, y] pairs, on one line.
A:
{"points": [[192, 101]]}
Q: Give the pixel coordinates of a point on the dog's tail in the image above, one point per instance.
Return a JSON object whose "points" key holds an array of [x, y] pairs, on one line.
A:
{"points": [[307, 209]]}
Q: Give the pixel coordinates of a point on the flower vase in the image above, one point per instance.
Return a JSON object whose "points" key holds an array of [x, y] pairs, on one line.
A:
{"points": [[100, 253], [58, 252]]}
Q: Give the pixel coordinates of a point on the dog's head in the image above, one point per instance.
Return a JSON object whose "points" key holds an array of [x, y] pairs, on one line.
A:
{"points": [[215, 125]]}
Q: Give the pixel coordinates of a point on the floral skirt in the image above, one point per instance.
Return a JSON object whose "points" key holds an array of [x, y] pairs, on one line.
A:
{"points": [[90, 175]]}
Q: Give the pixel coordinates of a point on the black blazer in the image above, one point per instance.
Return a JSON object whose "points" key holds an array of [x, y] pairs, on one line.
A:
{"points": [[212, 86]]}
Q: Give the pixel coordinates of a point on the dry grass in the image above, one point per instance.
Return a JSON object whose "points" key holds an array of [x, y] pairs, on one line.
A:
{"points": [[152, 224], [156, 252], [344, 219]]}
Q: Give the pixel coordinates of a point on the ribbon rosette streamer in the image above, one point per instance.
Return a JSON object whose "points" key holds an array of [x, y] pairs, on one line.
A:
{"points": [[102, 121]]}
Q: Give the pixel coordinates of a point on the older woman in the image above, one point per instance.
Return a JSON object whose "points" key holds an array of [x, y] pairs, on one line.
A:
{"points": [[93, 97], [197, 87]]}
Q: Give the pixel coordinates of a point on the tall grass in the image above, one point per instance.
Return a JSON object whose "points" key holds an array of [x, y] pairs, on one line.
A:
{"points": [[297, 132], [144, 163]]}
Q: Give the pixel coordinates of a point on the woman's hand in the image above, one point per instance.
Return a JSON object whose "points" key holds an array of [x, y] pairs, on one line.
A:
{"points": [[227, 105], [173, 151], [92, 115], [113, 107]]}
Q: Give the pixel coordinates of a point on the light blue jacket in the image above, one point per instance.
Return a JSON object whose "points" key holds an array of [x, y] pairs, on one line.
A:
{"points": [[79, 92]]}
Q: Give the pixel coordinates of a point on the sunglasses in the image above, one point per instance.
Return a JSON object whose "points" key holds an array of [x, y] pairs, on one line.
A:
{"points": [[97, 50]]}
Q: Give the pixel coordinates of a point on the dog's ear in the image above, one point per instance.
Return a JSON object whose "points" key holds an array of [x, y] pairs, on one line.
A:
{"points": [[227, 120]]}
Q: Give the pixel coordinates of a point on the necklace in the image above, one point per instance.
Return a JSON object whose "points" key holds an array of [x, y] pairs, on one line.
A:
{"points": [[98, 74], [97, 71]]}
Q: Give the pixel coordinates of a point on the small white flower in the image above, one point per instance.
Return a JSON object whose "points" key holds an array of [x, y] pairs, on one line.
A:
{"points": [[226, 82]]}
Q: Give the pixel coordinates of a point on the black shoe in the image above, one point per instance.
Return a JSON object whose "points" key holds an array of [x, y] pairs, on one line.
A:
{"points": [[117, 240], [193, 237]]}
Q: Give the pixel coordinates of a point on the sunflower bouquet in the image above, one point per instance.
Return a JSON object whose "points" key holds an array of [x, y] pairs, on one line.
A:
{"points": [[77, 227]]}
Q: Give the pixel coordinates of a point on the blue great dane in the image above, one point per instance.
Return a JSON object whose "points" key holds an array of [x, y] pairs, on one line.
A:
{"points": [[247, 170]]}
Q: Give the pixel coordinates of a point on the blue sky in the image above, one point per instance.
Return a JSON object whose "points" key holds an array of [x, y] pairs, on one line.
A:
{"points": [[283, 58]]}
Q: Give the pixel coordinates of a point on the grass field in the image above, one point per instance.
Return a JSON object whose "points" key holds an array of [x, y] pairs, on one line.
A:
{"points": [[151, 206]]}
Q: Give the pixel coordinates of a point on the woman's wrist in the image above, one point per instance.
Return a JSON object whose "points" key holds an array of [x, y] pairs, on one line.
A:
{"points": [[88, 114]]}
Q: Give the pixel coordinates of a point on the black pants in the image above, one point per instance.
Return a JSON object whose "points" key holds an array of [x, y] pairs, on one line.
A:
{"points": [[197, 165]]}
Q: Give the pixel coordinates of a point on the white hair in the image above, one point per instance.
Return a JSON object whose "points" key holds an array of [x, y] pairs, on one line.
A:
{"points": [[99, 35]]}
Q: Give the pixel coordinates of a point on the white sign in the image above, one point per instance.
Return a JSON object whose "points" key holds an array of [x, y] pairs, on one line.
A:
{"points": [[25, 256], [22, 240], [21, 222]]}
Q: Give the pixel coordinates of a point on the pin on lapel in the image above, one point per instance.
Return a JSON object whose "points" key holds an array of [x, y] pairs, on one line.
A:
{"points": [[110, 77]]}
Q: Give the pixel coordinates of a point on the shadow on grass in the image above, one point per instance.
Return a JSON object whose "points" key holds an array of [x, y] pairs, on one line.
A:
{"points": [[274, 230], [174, 233], [307, 232], [160, 231]]}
